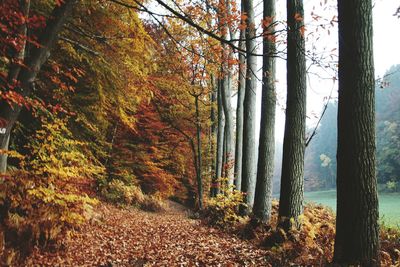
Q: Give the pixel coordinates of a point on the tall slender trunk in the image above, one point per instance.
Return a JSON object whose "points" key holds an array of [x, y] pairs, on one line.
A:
{"points": [[213, 133], [239, 110], [226, 95], [229, 130], [27, 75], [223, 172], [249, 113], [292, 181], [265, 169], [199, 159], [220, 143], [357, 229]]}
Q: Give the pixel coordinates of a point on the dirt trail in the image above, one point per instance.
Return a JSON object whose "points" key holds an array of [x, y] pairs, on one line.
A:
{"points": [[122, 237]]}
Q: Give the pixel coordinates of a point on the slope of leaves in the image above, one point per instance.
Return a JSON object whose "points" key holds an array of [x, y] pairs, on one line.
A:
{"points": [[313, 244]]}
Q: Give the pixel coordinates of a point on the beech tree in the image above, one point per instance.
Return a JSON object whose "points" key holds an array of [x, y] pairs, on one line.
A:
{"points": [[249, 111], [265, 168], [291, 194], [213, 136], [226, 92], [25, 76], [220, 143], [357, 230], [239, 106]]}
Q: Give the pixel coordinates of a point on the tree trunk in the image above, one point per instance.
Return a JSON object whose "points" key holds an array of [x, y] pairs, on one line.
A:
{"points": [[265, 169], [292, 181], [239, 110], [357, 230], [223, 171], [249, 113], [198, 163], [229, 131], [213, 134], [12, 76], [226, 93], [27, 75], [220, 143]]}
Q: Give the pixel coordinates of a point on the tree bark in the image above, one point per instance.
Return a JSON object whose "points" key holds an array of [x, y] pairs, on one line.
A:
{"points": [[199, 159], [220, 143], [357, 230], [229, 131], [265, 169], [292, 181], [226, 92], [213, 139], [27, 75], [239, 110], [249, 113], [223, 171]]}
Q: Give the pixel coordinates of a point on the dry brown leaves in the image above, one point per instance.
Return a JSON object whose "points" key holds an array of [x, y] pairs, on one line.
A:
{"points": [[128, 237]]}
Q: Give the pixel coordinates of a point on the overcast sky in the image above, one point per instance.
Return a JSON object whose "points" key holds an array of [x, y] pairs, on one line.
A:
{"points": [[386, 53]]}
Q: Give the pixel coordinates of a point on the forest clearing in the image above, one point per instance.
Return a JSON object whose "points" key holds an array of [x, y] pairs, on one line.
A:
{"points": [[157, 133]]}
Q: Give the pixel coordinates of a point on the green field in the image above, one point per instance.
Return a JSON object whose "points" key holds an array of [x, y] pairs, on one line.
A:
{"points": [[389, 204]]}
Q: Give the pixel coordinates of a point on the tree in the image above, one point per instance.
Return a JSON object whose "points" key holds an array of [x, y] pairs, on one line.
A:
{"points": [[226, 91], [32, 65], [357, 230], [249, 123], [265, 168], [17, 56], [291, 197], [213, 137], [239, 106], [220, 143]]}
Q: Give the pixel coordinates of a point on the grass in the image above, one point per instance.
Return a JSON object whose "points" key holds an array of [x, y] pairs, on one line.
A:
{"points": [[388, 204]]}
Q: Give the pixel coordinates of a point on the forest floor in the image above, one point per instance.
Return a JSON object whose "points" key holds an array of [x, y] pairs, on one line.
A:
{"points": [[130, 237]]}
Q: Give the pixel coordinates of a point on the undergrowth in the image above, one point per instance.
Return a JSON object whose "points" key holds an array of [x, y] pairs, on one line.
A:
{"points": [[128, 194], [42, 199], [311, 245], [222, 211]]}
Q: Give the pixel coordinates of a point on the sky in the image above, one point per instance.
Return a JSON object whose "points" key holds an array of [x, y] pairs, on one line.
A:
{"points": [[319, 83]]}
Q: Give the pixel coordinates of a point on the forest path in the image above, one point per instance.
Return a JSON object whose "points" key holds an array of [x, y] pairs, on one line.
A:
{"points": [[129, 237]]}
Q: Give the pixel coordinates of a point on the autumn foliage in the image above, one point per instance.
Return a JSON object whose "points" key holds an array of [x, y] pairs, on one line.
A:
{"points": [[121, 113], [91, 130]]}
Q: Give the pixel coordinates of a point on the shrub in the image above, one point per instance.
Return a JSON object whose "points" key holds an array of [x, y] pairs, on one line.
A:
{"points": [[223, 210], [390, 246], [391, 186], [153, 204], [311, 245], [33, 212], [44, 198], [118, 192]]}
